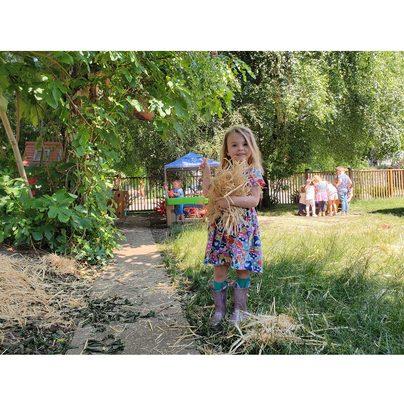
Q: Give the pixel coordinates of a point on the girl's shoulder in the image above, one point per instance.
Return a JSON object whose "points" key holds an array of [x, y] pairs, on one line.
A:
{"points": [[255, 177]]}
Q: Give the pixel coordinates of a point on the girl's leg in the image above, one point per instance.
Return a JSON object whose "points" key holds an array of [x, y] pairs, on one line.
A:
{"points": [[219, 293], [344, 203], [240, 296], [243, 279], [307, 209], [220, 273], [313, 207]]}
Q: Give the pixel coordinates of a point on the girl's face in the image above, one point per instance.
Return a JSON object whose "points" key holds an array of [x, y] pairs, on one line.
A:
{"points": [[176, 184], [237, 147]]}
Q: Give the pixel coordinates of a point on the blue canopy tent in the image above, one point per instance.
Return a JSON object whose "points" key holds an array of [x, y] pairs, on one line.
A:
{"points": [[189, 162]]}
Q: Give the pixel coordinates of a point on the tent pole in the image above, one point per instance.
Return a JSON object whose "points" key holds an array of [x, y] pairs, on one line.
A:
{"points": [[165, 182]]}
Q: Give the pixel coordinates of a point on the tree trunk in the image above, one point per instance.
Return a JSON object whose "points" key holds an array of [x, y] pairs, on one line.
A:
{"points": [[16, 150], [17, 115]]}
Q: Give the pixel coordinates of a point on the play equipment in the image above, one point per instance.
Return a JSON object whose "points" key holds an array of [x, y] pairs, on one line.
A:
{"points": [[190, 162]]}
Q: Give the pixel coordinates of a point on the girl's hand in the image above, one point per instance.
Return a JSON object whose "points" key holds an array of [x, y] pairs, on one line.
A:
{"points": [[205, 167]]}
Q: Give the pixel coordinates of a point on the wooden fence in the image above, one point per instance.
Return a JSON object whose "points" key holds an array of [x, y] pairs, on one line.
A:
{"points": [[367, 184]]}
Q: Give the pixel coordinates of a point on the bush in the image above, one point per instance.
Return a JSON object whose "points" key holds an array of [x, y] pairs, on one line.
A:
{"points": [[56, 222]]}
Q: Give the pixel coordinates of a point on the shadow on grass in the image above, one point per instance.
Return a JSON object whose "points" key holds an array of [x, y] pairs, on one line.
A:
{"points": [[399, 212]]}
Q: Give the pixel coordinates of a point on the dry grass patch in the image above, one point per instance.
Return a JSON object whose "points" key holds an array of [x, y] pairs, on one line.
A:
{"points": [[23, 294], [61, 265], [38, 295]]}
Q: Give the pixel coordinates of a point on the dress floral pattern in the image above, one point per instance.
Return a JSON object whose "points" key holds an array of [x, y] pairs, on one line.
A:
{"points": [[242, 251]]}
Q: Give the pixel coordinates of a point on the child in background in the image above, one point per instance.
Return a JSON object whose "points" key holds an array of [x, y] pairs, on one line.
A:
{"points": [[332, 199], [310, 198], [302, 201], [179, 208], [241, 252], [321, 193], [343, 185]]}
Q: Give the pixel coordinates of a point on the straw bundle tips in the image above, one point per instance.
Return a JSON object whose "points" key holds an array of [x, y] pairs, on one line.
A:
{"points": [[229, 181]]}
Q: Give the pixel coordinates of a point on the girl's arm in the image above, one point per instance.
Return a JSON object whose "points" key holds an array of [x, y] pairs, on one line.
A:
{"points": [[242, 201]]}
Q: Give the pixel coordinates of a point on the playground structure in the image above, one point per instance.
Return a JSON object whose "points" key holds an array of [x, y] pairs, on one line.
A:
{"points": [[186, 169]]}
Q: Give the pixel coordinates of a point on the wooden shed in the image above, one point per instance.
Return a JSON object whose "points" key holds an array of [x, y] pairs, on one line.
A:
{"points": [[47, 153]]}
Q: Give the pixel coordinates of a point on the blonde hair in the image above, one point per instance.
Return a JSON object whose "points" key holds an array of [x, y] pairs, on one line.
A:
{"points": [[317, 178], [254, 160], [342, 169]]}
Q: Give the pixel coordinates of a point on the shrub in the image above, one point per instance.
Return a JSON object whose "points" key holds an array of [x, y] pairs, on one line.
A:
{"points": [[56, 222]]}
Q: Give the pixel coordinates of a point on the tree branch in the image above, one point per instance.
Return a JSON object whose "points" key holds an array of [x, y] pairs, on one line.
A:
{"points": [[16, 150]]}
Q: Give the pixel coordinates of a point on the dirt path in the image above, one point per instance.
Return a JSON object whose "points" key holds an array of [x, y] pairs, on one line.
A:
{"points": [[138, 275]]}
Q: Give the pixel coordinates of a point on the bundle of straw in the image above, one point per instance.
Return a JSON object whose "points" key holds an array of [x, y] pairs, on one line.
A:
{"points": [[229, 181], [265, 330]]}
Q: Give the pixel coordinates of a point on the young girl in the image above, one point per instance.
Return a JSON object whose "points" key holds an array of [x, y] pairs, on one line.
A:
{"points": [[241, 252], [310, 198], [332, 199], [321, 193]]}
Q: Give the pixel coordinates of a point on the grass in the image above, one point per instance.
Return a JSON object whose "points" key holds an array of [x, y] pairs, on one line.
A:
{"points": [[339, 278]]}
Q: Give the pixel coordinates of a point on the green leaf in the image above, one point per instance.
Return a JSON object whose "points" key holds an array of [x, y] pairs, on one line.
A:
{"points": [[50, 100], [64, 215], [84, 136], [53, 211], [56, 93], [61, 87], [48, 232], [127, 74], [4, 82], [3, 103], [37, 235], [64, 57], [80, 151]]}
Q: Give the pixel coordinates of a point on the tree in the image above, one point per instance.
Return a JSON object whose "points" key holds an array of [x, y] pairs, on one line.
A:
{"points": [[322, 108], [95, 103]]}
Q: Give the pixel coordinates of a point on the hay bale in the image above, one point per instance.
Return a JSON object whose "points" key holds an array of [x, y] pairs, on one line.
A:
{"points": [[229, 181]]}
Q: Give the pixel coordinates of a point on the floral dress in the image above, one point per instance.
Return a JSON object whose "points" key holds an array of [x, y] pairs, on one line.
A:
{"points": [[242, 251]]}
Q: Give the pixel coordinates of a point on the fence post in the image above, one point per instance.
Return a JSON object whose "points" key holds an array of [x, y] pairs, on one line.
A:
{"points": [[350, 173], [390, 182]]}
